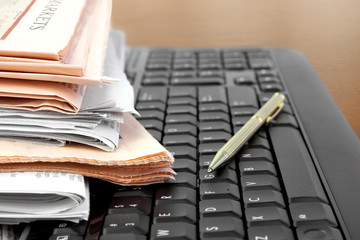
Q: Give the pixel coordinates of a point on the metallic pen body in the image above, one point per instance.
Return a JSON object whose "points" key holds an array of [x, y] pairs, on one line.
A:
{"points": [[263, 116]]}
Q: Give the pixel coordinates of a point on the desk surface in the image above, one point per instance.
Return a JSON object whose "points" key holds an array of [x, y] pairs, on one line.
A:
{"points": [[326, 31]]}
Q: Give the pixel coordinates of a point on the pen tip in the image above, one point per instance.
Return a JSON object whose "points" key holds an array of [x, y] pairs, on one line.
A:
{"points": [[210, 170]]}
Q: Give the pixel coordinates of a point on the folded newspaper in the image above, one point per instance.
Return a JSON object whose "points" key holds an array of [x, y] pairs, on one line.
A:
{"points": [[29, 196], [138, 160]]}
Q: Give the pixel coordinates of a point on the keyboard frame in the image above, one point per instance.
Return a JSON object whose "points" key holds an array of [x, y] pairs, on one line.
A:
{"points": [[332, 144]]}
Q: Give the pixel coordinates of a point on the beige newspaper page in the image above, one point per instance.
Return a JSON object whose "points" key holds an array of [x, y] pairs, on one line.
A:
{"points": [[52, 96], [46, 29]]}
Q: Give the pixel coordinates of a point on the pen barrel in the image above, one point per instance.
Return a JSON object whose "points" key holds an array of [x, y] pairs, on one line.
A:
{"points": [[242, 136], [265, 114]]}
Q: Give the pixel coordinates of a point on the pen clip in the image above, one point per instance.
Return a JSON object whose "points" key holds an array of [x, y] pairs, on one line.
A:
{"points": [[271, 118]]}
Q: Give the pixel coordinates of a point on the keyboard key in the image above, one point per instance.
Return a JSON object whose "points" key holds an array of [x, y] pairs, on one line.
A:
{"points": [[183, 179], [175, 230], [181, 118], [181, 128], [69, 228], [180, 109], [214, 116], [210, 66], [182, 101], [184, 165], [260, 63], [233, 53], [256, 168], [263, 216], [210, 73], [167, 195], [258, 142], [153, 94], [184, 55], [151, 105], [315, 232], [271, 233], [159, 74], [269, 79], [65, 236], [152, 124], [255, 154], [182, 91], [240, 120], [219, 191], [158, 66], [184, 66], [135, 204], [221, 175], [212, 94], [205, 160], [152, 114], [244, 77], [236, 66], [309, 214], [179, 62], [155, 81], [178, 212], [286, 120], [127, 236], [134, 191], [243, 111], [215, 126], [267, 73], [260, 182], [243, 96], [214, 136], [297, 169], [220, 208], [126, 223], [212, 107], [221, 227], [176, 140], [263, 198], [197, 81], [183, 152], [210, 148], [271, 87]]}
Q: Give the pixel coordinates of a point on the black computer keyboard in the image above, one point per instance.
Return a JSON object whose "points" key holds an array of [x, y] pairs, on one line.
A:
{"points": [[193, 101]]}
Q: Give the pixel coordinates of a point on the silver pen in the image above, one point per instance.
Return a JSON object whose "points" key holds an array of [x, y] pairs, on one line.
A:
{"points": [[263, 116]]}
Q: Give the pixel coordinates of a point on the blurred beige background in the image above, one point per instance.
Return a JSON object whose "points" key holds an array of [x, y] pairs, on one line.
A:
{"points": [[326, 31]]}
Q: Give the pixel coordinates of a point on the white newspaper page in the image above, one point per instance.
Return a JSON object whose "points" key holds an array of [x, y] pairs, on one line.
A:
{"points": [[27, 196]]}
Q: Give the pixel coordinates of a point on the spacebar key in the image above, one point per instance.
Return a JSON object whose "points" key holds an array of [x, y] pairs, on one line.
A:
{"points": [[300, 178]]}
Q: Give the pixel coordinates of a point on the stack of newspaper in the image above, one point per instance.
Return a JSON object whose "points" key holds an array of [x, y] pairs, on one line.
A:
{"points": [[48, 51], [62, 83]]}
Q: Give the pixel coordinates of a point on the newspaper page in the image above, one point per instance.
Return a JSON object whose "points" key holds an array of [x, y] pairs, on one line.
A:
{"points": [[52, 96]]}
